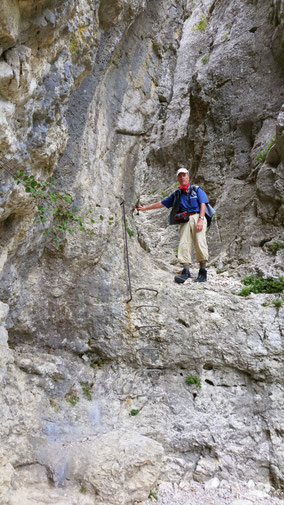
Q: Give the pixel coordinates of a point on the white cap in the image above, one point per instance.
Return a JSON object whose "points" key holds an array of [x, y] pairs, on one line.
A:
{"points": [[182, 170]]}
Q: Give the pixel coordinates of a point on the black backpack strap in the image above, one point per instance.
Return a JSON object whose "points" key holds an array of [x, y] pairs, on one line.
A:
{"points": [[175, 207]]}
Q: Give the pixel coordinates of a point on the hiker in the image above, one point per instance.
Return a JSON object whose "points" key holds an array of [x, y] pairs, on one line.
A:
{"points": [[191, 231]]}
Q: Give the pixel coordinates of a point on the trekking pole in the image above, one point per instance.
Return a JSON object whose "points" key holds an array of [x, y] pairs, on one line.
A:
{"points": [[126, 253]]}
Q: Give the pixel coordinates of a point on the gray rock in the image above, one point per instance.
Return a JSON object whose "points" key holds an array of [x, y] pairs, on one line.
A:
{"points": [[109, 98]]}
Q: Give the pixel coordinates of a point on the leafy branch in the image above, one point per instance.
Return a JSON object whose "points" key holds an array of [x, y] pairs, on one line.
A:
{"points": [[59, 205]]}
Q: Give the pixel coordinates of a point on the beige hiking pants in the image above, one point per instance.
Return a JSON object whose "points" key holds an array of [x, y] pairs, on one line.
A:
{"points": [[188, 236]]}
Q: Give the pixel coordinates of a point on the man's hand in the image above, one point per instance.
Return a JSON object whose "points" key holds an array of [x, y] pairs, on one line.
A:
{"points": [[157, 205], [199, 225], [200, 222]]}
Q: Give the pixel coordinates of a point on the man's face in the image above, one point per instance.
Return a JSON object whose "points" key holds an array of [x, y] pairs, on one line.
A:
{"points": [[183, 179]]}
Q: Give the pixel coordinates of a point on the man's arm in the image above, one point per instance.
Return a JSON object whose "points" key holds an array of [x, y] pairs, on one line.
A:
{"points": [[201, 215], [157, 205]]}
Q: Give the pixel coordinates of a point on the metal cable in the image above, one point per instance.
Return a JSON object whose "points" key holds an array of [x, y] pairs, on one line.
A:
{"points": [[126, 253]]}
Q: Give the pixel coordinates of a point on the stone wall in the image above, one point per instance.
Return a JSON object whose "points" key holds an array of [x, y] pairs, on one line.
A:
{"points": [[109, 98]]}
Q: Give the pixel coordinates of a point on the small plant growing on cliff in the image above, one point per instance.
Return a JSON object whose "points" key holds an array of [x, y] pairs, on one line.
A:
{"points": [[262, 154], [56, 204], [153, 495], [220, 270], [277, 302], [276, 246], [87, 388], [205, 59], [193, 379], [129, 231], [225, 36], [257, 285], [134, 412], [72, 397], [77, 39], [201, 24]]}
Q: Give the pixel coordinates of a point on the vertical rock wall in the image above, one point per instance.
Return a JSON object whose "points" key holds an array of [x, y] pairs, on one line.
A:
{"points": [[110, 98]]}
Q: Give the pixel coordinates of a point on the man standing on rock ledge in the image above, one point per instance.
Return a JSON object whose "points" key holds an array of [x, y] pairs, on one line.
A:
{"points": [[191, 232]]}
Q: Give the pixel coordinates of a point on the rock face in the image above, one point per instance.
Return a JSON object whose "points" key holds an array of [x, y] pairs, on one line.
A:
{"points": [[108, 98]]}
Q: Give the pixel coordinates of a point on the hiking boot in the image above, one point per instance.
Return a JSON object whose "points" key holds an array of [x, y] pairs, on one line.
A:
{"points": [[202, 275], [185, 274]]}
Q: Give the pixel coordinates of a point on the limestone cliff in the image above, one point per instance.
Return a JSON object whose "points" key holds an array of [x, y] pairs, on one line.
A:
{"points": [[109, 97]]}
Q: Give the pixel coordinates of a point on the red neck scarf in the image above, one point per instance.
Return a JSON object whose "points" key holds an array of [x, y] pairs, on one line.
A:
{"points": [[184, 188]]}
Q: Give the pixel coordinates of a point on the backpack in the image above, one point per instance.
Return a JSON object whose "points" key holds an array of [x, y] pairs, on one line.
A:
{"points": [[209, 211]]}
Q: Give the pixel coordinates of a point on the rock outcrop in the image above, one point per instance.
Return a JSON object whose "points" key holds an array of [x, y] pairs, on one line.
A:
{"points": [[108, 98]]}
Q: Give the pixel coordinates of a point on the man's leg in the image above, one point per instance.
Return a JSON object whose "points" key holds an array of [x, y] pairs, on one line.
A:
{"points": [[201, 249], [184, 251]]}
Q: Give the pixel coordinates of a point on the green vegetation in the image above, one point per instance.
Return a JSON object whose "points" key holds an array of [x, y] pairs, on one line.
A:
{"points": [[220, 270], [153, 495], [205, 59], [83, 489], [225, 36], [186, 15], [129, 231], [164, 194], [175, 249], [276, 246], [262, 154], [72, 397], [218, 216], [96, 363], [277, 302], [193, 379], [77, 39], [134, 412], [55, 205], [201, 24], [87, 387], [258, 285], [167, 191]]}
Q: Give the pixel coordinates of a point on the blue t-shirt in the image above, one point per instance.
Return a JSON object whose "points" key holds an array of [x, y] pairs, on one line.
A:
{"points": [[189, 203]]}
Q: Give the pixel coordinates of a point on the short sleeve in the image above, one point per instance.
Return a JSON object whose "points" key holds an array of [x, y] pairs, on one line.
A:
{"points": [[168, 202], [202, 197]]}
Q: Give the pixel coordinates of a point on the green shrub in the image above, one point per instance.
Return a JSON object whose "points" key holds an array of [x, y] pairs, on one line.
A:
{"points": [[72, 397], [134, 412], [51, 203], [220, 270], [276, 246], [193, 379], [153, 495], [129, 231], [201, 24], [205, 59], [87, 387], [277, 302], [262, 154], [257, 285]]}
